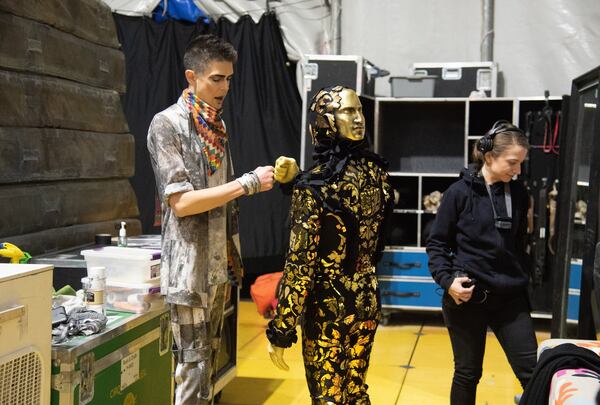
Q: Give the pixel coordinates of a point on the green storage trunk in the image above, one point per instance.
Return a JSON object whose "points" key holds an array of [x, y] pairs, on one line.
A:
{"points": [[129, 363]]}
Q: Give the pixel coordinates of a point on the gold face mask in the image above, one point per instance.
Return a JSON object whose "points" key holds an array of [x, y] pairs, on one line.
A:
{"points": [[338, 114], [349, 118]]}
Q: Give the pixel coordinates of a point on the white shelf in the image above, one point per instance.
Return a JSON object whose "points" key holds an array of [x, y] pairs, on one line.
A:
{"points": [[403, 248], [422, 99], [408, 174], [407, 211], [492, 99], [540, 98], [476, 115]]}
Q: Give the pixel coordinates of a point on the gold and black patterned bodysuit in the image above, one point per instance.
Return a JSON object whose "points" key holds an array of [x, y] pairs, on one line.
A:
{"points": [[329, 284]]}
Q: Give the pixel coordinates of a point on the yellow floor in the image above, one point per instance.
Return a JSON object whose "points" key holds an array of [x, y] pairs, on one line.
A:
{"points": [[411, 364]]}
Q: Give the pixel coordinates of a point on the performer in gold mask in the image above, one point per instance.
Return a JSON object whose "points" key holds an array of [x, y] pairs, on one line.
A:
{"points": [[329, 284]]}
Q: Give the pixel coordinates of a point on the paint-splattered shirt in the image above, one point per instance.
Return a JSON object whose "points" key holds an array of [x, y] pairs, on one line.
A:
{"points": [[194, 247]]}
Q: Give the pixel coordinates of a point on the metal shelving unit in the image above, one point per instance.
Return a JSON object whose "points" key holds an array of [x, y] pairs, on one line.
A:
{"points": [[427, 141]]}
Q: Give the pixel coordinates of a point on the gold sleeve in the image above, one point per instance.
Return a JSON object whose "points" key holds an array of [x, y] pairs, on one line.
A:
{"points": [[298, 274]]}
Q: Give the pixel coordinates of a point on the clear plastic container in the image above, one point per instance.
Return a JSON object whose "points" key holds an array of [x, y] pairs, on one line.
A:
{"points": [[132, 265], [134, 297]]}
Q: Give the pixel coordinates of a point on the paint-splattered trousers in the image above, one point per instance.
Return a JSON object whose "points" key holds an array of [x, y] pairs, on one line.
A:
{"points": [[197, 336]]}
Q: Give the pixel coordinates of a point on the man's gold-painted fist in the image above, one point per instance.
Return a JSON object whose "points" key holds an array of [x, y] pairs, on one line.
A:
{"points": [[285, 169]]}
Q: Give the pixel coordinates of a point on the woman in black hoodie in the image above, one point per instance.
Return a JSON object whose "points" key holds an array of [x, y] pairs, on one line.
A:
{"points": [[477, 255]]}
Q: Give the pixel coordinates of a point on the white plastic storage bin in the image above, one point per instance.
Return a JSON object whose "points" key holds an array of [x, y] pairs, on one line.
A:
{"points": [[130, 265], [134, 297]]}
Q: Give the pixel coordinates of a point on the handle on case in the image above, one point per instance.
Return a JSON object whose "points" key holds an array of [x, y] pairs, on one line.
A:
{"points": [[451, 73], [12, 313], [484, 79], [404, 266], [401, 294]]}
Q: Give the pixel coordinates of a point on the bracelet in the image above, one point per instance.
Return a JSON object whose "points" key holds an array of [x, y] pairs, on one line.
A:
{"points": [[256, 181], [243, 184], [250, 182]]}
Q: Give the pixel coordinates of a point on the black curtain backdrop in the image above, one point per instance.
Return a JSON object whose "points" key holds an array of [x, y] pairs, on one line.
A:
{"points": [[262, 112], [263, 115]]}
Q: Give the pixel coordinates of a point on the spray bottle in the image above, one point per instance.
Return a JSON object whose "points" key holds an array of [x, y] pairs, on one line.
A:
{"points": [[122, 235]]}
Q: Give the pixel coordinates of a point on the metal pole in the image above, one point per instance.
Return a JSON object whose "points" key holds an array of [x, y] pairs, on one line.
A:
{"points": [[487, 35], [336, 27], [564, 215]]}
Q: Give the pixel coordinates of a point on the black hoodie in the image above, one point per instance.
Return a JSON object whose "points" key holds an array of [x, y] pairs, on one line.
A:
{"points": [[464, 236]]}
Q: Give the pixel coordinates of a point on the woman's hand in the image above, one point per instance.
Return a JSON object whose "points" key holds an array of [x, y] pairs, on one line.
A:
{"points": [[459, 293]]}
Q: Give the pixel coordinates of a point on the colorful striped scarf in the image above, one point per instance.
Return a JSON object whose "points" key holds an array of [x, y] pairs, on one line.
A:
{"points": [[210, 128]]}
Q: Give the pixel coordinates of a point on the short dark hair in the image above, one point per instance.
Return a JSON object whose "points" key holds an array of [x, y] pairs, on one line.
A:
{"points": [[204, 49]]}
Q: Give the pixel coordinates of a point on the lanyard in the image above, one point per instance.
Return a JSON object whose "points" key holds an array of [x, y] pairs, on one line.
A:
{"points": [[507, 198]]}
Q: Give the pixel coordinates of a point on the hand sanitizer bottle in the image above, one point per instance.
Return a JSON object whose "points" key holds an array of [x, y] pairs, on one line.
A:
{"points": [[122, 235]]}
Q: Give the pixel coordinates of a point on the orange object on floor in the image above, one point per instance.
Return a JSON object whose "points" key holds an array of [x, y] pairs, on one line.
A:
{"points": [[264, 292]]}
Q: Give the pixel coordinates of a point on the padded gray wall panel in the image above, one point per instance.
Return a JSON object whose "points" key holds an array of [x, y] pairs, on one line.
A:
{"points": [[65, 151], [47, 154], [88, 19], [34, 207], [38, 48], [28, 100]]}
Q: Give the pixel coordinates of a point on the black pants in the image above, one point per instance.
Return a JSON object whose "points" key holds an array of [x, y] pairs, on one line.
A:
{"points": [[508, 316]]}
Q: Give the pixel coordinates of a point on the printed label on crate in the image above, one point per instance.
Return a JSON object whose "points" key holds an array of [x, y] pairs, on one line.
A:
{"points": [[155, 271], [130, 369]]}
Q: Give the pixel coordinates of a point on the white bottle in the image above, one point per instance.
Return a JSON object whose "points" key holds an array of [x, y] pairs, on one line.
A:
{"points": [[122, 235], [94, 285]]}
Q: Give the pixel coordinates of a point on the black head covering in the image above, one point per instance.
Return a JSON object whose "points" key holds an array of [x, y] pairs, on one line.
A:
{"points": [[331, 152]]}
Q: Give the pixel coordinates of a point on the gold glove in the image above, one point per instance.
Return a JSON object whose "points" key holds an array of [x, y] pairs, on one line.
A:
{"points": [[285, 169], [276, 354]]}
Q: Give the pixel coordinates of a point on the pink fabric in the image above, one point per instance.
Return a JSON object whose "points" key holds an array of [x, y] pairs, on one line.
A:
{"points": [[573, 386]]}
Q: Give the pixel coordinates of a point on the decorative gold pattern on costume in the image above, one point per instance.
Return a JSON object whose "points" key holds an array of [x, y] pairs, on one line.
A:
{"points": [[337, 299]]}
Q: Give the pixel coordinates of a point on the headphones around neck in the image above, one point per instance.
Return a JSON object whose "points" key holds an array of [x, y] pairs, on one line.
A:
{"points": [[486, 143]]}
